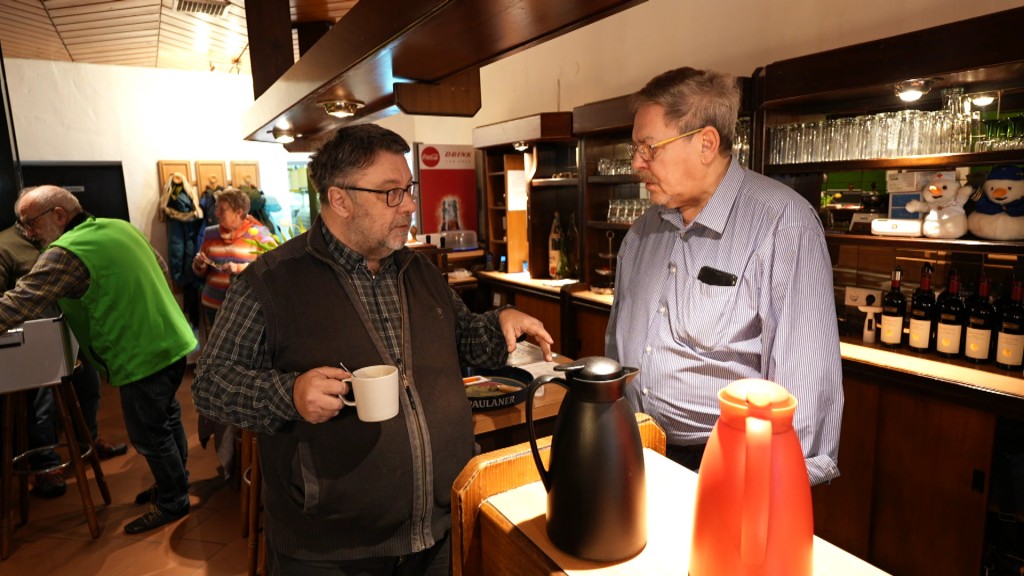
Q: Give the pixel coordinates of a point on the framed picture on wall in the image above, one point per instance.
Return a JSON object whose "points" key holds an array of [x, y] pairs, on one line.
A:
{"points": [[167, 167], [210, 174], [245, 173]]}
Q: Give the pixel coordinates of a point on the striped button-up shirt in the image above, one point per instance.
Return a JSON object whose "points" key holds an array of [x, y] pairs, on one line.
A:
{"points": [[691, 338]]}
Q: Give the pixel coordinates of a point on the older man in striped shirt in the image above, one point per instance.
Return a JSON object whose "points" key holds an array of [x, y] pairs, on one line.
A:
{"points": [[727, 276]]}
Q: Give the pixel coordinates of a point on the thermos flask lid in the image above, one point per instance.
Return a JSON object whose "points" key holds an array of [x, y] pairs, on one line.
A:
{"points": [[593, 369]]}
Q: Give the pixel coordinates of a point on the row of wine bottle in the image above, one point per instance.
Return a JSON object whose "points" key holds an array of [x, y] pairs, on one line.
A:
{"points": [[951, 326]]}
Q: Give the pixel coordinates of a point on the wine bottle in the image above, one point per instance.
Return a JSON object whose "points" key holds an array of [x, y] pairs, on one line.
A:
{"points": [[981, 324], [922, 313], [572, 246], [1010, 340], [952, 316], [894, 309], [554, 247]]}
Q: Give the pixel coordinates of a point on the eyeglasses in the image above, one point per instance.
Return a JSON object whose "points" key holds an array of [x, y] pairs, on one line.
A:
{"points": [[646, 151], [394, 196], [27, 224]]}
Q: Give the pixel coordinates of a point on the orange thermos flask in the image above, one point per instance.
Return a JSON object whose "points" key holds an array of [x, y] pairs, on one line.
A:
{"points": [[753, 515]]}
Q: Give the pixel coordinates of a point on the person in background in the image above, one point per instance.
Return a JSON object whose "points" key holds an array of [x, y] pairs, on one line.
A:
{"points": [[727, 276], [113, 290], [343, 496], [17, 255], [227, 249]]}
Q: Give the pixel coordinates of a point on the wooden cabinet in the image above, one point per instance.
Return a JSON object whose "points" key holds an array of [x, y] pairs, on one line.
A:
{"points": [[604, 129], [915, 458], [530, 173], [858, 83], [499, 168], [915, 469]]}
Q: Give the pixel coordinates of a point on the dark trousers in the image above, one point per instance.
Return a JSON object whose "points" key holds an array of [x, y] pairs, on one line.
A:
{"points": [[152, 416], [688, 456], [434, 561]]}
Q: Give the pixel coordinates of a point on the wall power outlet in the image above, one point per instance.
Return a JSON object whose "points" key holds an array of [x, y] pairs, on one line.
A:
{"points": [[856, 296]]}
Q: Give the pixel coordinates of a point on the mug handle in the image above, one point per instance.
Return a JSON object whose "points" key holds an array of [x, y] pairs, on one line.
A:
{"points": [[351, 389]]}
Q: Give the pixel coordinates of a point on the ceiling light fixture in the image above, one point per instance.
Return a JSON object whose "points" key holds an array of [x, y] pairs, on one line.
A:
{"points": [[284, 135], [912, 90], [983, 99], [341, 108], [521, 146]]}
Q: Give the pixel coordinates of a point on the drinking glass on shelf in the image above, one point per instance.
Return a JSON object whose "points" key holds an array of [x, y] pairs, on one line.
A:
{"points": [[604, 166]]}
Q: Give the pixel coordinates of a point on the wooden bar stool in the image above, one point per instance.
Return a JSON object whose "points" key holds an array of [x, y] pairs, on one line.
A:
{"points": [[252, 504], [31, 358]]}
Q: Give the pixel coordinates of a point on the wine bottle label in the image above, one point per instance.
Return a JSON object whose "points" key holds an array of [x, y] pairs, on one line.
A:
{"points": [[920, 332], [976, 343], [948, 340], [918, 313], [1010, 349], [892, 329]]}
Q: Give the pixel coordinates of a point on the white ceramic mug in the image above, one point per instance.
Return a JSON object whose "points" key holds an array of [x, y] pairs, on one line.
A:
{"points": [[375, 389]]}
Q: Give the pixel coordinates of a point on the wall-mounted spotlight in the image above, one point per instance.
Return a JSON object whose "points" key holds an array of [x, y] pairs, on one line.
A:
{"points": [[911, 90], [341, 108], [284, 135], [521, 146]]}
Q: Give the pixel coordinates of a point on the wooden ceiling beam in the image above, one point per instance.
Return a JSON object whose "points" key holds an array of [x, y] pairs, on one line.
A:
{"points": [[270, 41]]}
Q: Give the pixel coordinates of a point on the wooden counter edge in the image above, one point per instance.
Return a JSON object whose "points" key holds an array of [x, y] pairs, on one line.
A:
{"points": [[509, 551]]}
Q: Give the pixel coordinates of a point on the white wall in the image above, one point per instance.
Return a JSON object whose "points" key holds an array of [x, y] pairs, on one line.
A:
{"points": [[66, 111], [87, 112]]}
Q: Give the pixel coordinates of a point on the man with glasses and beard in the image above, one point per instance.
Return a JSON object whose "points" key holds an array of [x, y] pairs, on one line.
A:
{"points": [[342, 496], [726, 276]]}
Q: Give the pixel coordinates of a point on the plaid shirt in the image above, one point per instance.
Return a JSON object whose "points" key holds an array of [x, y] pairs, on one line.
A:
{"points": [[56, 274], [236, 382]]}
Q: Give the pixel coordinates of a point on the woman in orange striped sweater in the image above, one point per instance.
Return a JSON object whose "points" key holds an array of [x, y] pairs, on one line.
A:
{"points": [[225, 250]]}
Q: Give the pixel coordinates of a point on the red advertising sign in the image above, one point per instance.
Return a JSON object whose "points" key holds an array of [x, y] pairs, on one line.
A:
{"points": [[447, 176]]}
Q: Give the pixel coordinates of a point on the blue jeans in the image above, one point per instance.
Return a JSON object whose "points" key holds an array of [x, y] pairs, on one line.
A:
{"points": [[152, 416]]}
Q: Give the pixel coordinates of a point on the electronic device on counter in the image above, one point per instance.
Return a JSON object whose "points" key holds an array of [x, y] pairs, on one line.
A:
{"points": [[896, 227]]}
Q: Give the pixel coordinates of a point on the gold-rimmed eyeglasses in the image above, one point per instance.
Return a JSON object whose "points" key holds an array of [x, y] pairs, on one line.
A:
{"points": [[29, 222], [393, 197], [646, 151]]}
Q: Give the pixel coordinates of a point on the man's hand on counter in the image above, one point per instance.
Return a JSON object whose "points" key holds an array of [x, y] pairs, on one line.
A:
{"points": [[516, 325]]}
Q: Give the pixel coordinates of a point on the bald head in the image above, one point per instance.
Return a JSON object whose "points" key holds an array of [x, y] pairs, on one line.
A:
{"points": [[44, 212]]}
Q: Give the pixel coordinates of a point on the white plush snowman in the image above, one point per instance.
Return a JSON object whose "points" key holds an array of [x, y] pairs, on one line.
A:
{"points": [[999, 213], [943, 200]]}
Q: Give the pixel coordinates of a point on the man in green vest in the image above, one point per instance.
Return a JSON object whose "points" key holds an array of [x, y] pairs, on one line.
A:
{"points": [[115, 297]]}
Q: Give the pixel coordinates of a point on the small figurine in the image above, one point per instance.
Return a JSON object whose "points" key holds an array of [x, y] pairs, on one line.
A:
{"points": [[999, 213], [943, 200]]}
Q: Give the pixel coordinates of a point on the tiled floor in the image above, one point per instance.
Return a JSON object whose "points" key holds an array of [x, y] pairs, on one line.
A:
{"points": [[56, 540]]}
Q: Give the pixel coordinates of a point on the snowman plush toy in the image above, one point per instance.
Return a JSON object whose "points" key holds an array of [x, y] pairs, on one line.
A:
{"points": [[999, 213], [943, 203]]}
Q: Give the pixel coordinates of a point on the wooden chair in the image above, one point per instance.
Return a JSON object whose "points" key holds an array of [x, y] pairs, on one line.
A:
{"points": [[501, 470], [252, 504]]}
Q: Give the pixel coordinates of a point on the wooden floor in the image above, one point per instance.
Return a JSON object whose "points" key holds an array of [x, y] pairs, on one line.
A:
{"points": [[56, 540]]}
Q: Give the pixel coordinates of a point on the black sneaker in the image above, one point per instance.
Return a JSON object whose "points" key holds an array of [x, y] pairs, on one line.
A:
{"points": [[146, 496], [151, 520], [50, 484]]}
